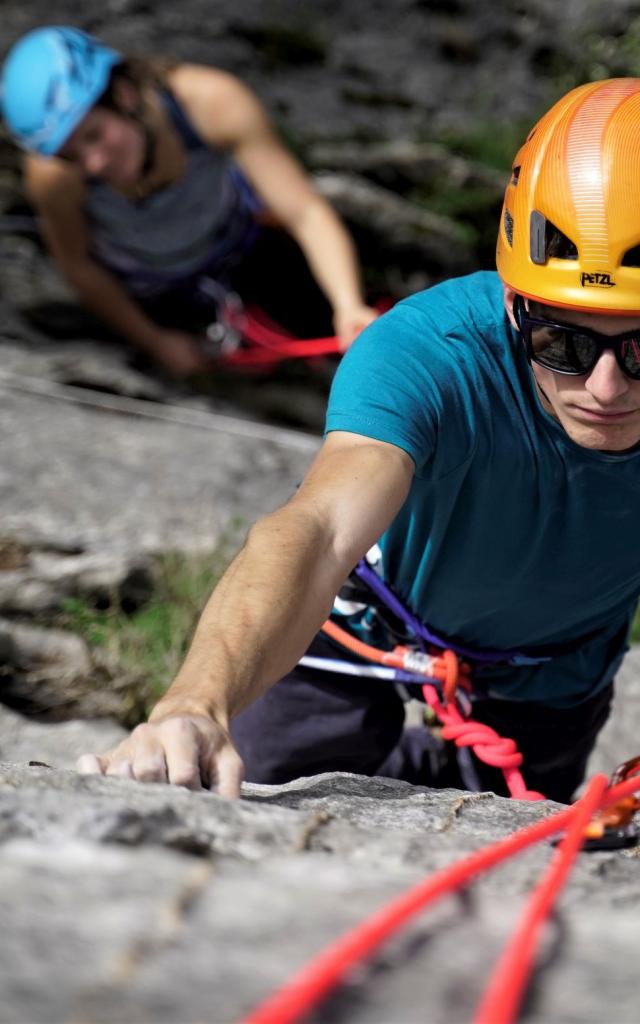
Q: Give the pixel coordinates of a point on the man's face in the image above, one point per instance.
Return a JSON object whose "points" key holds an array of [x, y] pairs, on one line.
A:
{"points": [[600, 410], [107, 144]]}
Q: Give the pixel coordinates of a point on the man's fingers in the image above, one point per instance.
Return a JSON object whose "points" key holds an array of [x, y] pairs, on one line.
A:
{"points": [[90, 764], [121, 768], [144, 752], [227, 772], [186, 751], [181, 741], [140, 757]]}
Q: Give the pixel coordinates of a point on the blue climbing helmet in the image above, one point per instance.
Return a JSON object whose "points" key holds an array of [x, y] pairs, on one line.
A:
{"points": [[51, 79]]}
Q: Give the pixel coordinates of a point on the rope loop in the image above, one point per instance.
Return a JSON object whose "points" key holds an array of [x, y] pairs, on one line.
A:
{"points": [[496, 750], [488, 746]]}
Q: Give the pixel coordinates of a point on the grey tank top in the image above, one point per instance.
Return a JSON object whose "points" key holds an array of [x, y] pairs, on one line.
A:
{"points": [[204, 221]]}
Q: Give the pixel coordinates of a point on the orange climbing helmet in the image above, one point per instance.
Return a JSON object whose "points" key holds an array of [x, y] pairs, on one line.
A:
{"points": [[570, 225]]}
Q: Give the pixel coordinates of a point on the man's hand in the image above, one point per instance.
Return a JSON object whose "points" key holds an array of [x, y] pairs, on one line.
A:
{"points": [[180, 353], [186, 750], [351, 321]]}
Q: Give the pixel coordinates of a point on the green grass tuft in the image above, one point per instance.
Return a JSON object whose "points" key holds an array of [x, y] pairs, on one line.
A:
{"points": [[139, 653]]}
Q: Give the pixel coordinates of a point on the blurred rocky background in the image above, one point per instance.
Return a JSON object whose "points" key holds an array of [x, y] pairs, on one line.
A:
{"points": [[124, 493], [407, 115]]}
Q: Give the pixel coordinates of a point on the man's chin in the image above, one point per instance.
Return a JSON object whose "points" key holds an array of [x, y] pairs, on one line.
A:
{"points": [[615, 439]]}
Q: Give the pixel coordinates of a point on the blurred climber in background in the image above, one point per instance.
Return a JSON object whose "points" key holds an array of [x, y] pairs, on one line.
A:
{"points": [[161, 186]]}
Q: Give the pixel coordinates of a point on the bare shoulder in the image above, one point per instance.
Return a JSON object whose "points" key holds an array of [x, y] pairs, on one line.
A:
{"points": [[193, 83], [219, 104], [50, 183]]}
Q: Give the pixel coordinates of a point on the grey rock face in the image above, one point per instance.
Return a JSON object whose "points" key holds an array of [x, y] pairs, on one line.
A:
{"points": [[93, 485], [432, 239], [48, 578], [135, 480], [154, 903], [58, 745], [620, 739], [64, 654]]}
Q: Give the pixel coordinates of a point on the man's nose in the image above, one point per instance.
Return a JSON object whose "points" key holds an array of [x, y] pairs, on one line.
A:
{"points": [[607, 382], [93, 160]]}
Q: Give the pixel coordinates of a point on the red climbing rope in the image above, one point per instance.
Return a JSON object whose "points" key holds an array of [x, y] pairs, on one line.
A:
{"points": [[266, 344], [321, 974], [504, 993], [261, 343], [486, 743], [445, 667], [507, 985], [442, 667]]}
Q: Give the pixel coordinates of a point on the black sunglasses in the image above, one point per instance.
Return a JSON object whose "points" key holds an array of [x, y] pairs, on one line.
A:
{"points": [[573, 350]]}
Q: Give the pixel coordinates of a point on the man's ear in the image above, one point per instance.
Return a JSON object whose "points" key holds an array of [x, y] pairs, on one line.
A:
{"points": [[509, 298]]}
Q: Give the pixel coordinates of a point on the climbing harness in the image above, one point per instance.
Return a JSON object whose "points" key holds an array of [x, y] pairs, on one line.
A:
{"points": [[441, 676], [444, 674], [441, 668]]}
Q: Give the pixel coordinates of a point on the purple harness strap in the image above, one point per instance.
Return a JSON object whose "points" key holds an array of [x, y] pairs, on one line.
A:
{"points": [[425, 636]]}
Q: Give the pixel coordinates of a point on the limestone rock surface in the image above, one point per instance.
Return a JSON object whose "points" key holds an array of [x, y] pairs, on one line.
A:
{"points": [[129, 902]]}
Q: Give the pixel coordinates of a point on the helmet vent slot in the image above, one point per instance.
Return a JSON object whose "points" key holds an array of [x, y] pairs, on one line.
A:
{"points": [[508, 227], [559, 246], [549, 242], [515, 174], [631, 257]]}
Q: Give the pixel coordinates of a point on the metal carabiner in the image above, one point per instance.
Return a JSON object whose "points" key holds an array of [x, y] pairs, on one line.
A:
{"points": [[220, 340], [222, 336], [614, 828]]}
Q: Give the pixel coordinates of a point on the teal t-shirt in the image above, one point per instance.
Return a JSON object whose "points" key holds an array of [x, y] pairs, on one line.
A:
{"points": [[512, 536]]}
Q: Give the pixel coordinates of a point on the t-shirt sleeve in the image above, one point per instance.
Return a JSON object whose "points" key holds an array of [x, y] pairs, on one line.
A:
{"points": [[384, 387]]}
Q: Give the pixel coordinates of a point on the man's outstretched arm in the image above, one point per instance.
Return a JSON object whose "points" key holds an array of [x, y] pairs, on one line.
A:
{"points": [[264, 612]]}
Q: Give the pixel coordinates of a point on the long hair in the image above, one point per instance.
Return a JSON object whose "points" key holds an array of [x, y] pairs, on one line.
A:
{"points": [[141, 72]]}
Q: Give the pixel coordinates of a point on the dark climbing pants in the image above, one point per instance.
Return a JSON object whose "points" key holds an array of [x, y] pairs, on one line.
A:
{"points": [[314, 721], [273, 275]]}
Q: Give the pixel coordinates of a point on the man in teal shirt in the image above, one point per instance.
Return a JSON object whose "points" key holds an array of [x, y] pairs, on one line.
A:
{"points": [[486, 433]]}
